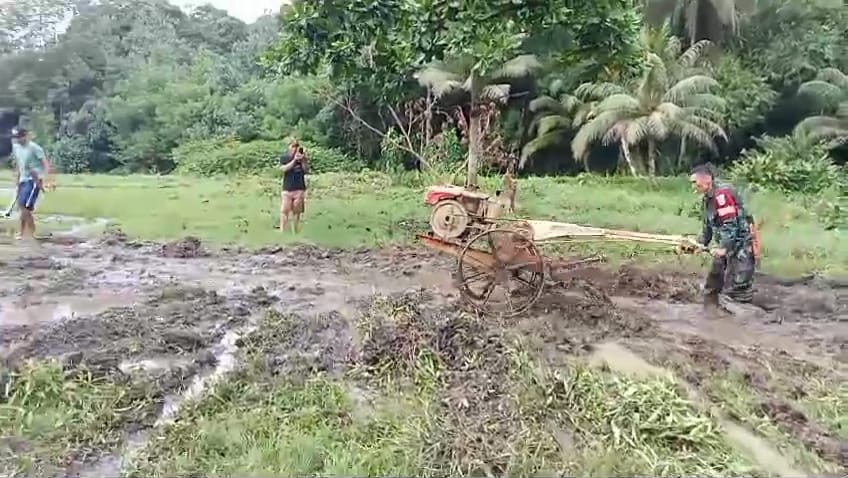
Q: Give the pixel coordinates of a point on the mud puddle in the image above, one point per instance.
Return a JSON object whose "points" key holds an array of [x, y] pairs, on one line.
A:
{"points": [[225, 360], [31, 311]]}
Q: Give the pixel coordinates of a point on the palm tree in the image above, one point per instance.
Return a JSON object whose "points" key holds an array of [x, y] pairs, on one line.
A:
{"points": [[830, 90], [552, 121], [657, 109], [461, 79], [700, 19]]}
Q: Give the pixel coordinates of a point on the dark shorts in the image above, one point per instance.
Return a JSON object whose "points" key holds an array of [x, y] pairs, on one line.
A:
{"points": [[28, 195]]}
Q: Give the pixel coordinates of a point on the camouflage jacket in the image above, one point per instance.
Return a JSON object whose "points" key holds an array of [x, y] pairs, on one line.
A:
{"points": [[726, 220]]}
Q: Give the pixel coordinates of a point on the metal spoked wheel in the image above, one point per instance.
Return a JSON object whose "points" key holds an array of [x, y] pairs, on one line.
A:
{"points": [[501, 272]]}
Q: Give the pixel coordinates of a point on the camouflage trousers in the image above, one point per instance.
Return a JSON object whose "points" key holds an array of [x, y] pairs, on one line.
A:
{"points": [[734, 274]]}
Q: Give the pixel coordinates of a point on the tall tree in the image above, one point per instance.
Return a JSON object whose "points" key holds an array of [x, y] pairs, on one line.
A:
{"points": [[375, 47], [829, 91], [699, 19], [656, 110], [444, 79]]}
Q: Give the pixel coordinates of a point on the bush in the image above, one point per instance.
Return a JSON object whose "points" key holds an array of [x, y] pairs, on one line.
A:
{"points": [[71, 155], [789, 164], [230, 156]]}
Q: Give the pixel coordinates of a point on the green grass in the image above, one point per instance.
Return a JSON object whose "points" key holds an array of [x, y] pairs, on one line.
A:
{"points": [[49, 419], [370, 209], [420, 401], [737, 398]]}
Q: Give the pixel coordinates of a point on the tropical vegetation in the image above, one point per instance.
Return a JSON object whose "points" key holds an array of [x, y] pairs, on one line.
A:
{"points": [[635, 88]]}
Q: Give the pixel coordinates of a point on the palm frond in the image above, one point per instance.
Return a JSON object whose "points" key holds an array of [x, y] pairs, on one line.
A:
{"points": [[834, 76], [546, 103], [636, 131], [655, 78], [518, 67], [705, 101], [821, 127], [438, 78], [690, 57], [597, 91], [842, 110], [570, 103], [595, 130], [689, 86], [656, 126], [495, 93], [538, 144], [620, 102], [828, 93], [584, 113], [693, 133], [615, 133], [552, 123], [709, 126]]}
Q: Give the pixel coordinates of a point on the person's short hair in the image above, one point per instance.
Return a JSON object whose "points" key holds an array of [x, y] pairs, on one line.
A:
{"points": [[705, 169]]}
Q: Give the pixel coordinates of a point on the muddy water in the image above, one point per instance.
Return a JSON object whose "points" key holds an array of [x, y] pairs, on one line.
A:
{"points": [[32, 310]]}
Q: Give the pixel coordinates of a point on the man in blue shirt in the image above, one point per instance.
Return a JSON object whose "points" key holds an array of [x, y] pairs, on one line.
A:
{"points": [[32, 168]]}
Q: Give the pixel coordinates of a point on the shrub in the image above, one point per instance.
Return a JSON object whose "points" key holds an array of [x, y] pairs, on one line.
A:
{"points": [[789, 164], [230, 156]]}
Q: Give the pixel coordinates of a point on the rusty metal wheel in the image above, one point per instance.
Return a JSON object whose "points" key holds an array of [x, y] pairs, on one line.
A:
{"points": [[501, 273]]}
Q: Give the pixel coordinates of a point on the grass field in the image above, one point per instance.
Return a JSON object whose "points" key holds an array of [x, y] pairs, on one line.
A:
{"points": [[371, 209], [410, 384]]}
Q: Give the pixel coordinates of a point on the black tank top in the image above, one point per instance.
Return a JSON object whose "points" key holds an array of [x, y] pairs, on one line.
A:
{"points": [[295, 178]]}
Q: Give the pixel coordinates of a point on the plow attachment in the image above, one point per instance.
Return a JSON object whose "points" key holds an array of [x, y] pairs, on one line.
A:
{"points": [[501, 272], [547, 231]]}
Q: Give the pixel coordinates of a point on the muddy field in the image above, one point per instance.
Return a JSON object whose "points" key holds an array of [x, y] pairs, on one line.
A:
{"points": [[176, 318]]}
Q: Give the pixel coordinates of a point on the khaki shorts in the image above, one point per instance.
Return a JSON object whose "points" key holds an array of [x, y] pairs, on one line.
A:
{"points": [[293, 201]]}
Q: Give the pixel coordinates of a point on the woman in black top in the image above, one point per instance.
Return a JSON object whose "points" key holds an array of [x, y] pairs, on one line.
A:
{"points": [[294, 165]]}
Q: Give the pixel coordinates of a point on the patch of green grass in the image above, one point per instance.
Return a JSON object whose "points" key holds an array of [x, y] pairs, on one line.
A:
{"points": [[732, 394], [244, 428], [371, 209], [48, 418], [432, 393], [624, 426], [827, 402]]}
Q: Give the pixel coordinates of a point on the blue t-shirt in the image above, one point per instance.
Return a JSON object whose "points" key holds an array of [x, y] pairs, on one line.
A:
{"points": [[29, 158]]}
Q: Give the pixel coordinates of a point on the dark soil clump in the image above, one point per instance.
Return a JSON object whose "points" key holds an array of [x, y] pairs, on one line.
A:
{"points": [[186, 248]]}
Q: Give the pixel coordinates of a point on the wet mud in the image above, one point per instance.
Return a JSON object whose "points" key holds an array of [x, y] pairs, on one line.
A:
{"points": [[173, 315]]}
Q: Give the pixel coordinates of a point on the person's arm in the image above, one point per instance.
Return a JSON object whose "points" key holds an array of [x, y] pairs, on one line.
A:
{"points": [[286, 162], [304, 163], [707, 231], [288, 166]]}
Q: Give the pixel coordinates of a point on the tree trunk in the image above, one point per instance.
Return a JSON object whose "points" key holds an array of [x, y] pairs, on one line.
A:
{"points": [[474, 132], [652, 158], [681, 156], [625, 153]]}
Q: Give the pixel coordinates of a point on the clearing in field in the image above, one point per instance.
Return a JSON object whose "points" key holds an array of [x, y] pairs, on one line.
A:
{"points": [[163, 358]]}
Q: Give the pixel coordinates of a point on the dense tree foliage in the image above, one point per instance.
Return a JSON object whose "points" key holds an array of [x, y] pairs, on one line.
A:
{"points": [[642, 87]]}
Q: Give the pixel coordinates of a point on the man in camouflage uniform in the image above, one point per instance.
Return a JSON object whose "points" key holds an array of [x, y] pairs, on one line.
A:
{"points": [[726, 221]]}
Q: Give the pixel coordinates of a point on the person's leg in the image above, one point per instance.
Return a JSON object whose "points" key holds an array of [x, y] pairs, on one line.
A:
{"points": [[714, 282], [297, 209], [27, 196], [742, 278], [285, 211]]}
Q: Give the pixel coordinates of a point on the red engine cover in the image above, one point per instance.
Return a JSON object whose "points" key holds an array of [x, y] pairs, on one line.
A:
{"points": [[433, 197]]}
